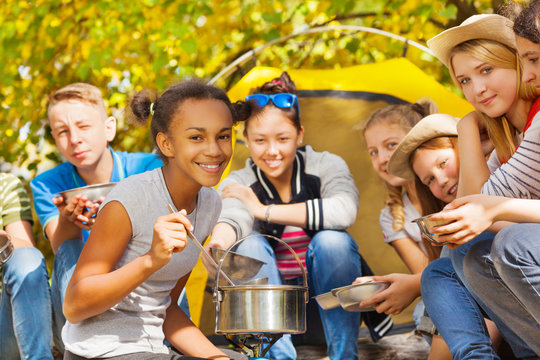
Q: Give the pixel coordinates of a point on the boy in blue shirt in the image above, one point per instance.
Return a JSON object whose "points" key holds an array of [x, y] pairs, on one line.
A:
{"points": [[82, 131]]}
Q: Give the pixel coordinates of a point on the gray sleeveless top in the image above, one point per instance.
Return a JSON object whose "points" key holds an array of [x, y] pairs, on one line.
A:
{"points": [[135, 324]]}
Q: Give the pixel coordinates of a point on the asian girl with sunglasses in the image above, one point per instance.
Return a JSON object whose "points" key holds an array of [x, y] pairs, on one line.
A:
{"points": [[307, 199]]}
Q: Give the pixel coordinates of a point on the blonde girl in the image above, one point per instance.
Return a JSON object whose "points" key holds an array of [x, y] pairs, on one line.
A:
{"points": [[382, 133], [504, 272], [482, 58]]}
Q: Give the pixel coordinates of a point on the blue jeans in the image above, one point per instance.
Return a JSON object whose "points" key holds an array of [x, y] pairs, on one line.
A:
{"points": [[484, 241], [64, 264], [505, 274], [332, 261], [454, 311], [25, 308]]}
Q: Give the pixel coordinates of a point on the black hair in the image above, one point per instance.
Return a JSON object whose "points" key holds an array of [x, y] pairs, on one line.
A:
{"points": [[165, 106], [283, 84], [527, 22]]}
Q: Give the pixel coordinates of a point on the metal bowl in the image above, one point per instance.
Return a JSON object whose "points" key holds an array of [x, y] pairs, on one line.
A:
{"points": [[426, 225], [237, 266], [327, 301], [93, 192], [350, 296], [6, 248]]}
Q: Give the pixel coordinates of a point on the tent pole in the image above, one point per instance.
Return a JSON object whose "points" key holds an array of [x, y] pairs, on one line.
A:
{"points": [[242, 59]]}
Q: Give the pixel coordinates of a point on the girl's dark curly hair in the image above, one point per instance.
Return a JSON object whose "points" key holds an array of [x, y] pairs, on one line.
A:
{"points": [[247, 110]]}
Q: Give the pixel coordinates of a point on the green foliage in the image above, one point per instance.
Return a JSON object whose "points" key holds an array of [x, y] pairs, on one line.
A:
{"points": [[123, 46]]}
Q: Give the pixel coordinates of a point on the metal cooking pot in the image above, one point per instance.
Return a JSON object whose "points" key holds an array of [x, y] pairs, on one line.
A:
{"points": [[250, 309], [6, 248]]}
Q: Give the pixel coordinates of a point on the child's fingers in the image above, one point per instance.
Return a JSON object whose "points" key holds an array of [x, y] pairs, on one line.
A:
{"points": [[178, 245], [375, 299], [58, 201], [82, 225], [179, 217]]}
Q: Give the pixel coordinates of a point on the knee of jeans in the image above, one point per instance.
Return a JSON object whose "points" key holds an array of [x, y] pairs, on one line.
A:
{"points": [[68, 253], [512, 242], [433, 273], [72, 247], [332, 241], [253, 241], [24, 262], [473, 263], [254, 245]]}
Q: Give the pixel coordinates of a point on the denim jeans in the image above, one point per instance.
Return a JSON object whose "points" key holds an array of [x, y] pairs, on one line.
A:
{"points": [[505, 274], [454, 311], [25, 308], [64, 264], [484, 242], [332, 261]]}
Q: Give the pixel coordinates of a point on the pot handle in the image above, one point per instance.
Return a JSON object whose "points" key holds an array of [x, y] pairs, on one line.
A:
{"points": [[304, 275]]}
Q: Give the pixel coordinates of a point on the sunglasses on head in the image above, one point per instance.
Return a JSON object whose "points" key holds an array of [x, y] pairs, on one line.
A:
{"points": [[281, 100]]}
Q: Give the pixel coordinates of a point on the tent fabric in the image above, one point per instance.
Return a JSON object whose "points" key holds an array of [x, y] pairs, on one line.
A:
{"points": [[334, 103]]}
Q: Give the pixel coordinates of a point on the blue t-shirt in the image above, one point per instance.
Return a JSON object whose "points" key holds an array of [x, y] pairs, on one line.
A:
{"points": [[65, 177]]}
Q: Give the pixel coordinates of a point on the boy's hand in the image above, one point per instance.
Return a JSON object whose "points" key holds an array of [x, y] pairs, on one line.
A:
{"points": [[79, 211]]}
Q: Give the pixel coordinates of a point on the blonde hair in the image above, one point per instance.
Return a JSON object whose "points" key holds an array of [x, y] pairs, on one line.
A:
{"points": [[428, 202], [404, 116], [78, 91], [500, 130]]}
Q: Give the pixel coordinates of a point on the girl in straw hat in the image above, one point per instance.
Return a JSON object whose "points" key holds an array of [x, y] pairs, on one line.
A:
{"points": [[428, 155], [482, 58], [512, 259], [382, 133]]}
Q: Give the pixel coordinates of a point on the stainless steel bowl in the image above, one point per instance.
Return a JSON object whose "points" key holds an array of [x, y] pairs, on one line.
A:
{"points": [[6, 248], [327, 301], [93, 192], [426, 225], [237, 266], [350, 296]]}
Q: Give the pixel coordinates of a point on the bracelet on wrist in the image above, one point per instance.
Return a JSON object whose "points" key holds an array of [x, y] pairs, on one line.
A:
{"points": [[267, 213]]}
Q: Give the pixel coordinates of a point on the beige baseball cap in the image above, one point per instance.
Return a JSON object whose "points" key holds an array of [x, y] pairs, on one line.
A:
{"points": [[483, 26], [430, 127]]}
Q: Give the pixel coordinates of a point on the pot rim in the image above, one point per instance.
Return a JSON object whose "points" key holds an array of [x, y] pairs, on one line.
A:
{"points": [[262, 287]]}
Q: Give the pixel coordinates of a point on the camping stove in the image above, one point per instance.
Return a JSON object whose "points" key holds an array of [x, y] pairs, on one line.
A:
{"points": [[254, 316], [255, 346]]}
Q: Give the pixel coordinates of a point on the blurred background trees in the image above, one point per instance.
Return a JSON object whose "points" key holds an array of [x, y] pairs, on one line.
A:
{"points": [[123, 46]]}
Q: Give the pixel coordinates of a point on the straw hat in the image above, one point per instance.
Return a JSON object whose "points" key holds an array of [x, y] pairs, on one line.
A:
{"points": [[484, 26], [430, 127]]}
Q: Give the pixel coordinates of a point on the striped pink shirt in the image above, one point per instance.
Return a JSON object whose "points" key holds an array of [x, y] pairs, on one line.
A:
{"points": [[297, 239]]}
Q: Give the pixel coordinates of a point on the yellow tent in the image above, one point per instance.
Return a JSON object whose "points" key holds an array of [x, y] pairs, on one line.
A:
{"points": [[332, 102]]}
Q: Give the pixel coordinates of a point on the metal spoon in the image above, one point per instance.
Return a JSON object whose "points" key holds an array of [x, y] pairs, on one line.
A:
{"points": [[203, 250]]}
